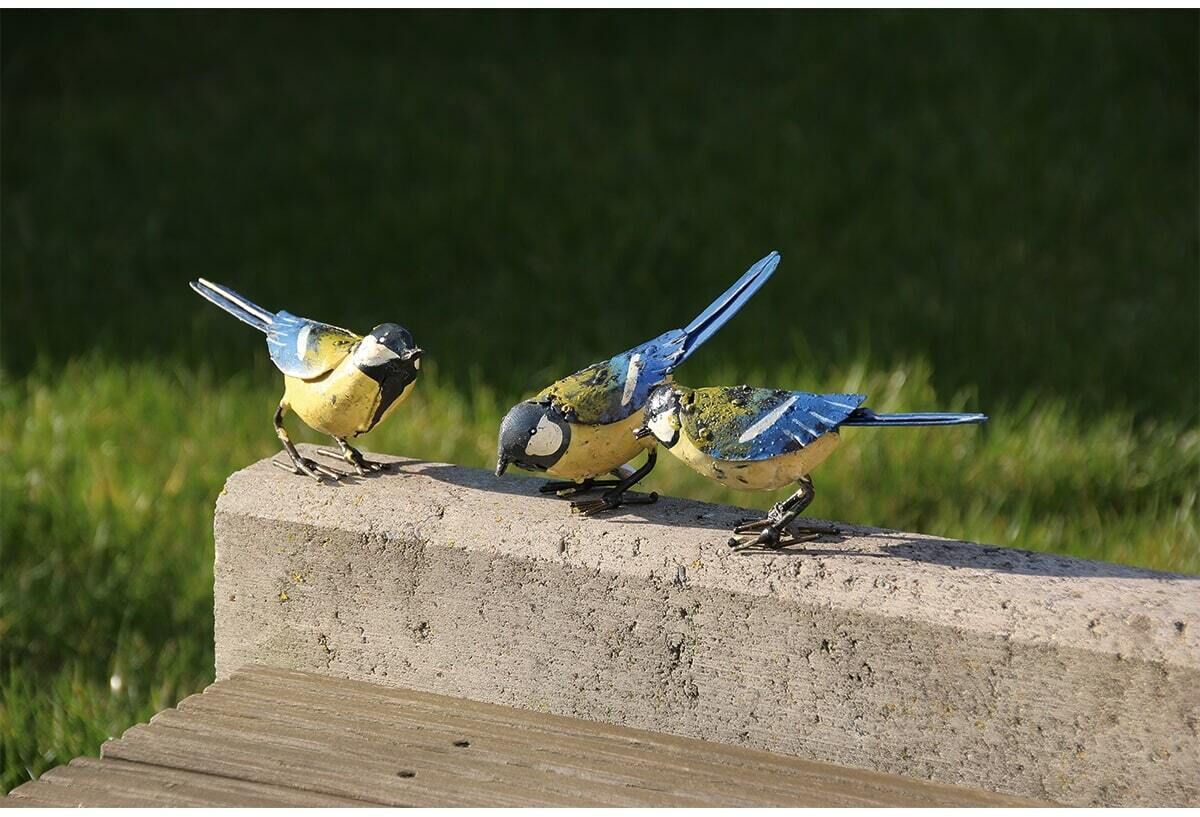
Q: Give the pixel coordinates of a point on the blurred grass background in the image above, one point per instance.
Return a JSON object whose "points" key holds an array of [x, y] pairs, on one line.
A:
{"points": [[992, 211]]}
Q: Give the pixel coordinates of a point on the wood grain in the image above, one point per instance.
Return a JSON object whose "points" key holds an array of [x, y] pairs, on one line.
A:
{"points": [[272, 737]]}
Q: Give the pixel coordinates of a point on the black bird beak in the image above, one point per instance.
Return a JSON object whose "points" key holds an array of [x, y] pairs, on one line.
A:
{"points": [[644, 431], [501, 466], [414, 354]]}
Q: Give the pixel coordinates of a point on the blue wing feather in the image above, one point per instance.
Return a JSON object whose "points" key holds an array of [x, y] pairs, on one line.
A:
{"points": [[730, 302], [237, 305], [612, 390], [305, 348], [743, 423], [298, 346]]}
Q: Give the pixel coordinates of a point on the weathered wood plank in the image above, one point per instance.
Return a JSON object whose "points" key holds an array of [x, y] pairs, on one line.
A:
{"points": [[271, 737], [318, 767], [551, 771], [88, 781], [46, 795], [435, 723]]}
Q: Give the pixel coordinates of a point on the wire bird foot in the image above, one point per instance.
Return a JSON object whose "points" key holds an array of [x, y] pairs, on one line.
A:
{"points": [[611, 501], [772, 536], [568, 489], [305, 466], [616, 497], [362, 466], [778, 523]]}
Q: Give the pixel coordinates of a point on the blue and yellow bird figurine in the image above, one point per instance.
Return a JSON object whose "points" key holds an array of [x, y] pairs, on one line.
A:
{"points": [[753, 439], [580, 427], [338, 383]]}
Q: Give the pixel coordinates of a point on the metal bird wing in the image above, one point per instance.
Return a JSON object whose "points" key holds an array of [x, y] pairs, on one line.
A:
{"points": [[305, 348], [744, 423], [612, 390]]}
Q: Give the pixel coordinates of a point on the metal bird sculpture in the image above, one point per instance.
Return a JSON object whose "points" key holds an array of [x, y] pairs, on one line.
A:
{"points": [[580, 427], [761, 439], [338, 383]]}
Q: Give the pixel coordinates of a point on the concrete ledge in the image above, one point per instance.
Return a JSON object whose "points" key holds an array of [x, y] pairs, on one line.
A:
{"points": [[1016, 672]]}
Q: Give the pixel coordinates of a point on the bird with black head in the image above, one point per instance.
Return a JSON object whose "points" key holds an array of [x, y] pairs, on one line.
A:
{"points": [[337, 382], [580, 428]]}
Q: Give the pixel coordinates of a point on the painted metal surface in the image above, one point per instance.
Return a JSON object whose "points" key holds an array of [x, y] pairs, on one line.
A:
{"points": [[337, 382], [603, 402]]}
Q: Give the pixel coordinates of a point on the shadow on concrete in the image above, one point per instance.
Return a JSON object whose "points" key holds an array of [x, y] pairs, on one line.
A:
{"points": [[666, 511], [820, 548], [897, 545], [480, 480], [952, 554]]}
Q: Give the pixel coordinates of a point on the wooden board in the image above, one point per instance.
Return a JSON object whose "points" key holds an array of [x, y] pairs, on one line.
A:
{"points": [[271, 737]]}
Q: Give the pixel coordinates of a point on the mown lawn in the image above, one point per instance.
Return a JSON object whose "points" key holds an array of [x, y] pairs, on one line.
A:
{"points": [[990, 212]]}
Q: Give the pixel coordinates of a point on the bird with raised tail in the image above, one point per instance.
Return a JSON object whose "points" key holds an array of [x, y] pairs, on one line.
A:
{"points": [[337, 382], [753, 439], [580, 427]]}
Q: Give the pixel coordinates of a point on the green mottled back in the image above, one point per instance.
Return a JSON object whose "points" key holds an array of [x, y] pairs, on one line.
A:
{"points": [[589, 396]]}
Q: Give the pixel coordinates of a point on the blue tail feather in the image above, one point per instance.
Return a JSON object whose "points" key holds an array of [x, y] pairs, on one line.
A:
{"points": [[727, 305], [237, 305], [866, 417]]}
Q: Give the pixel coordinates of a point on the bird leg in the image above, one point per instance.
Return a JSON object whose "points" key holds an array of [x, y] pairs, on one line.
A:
{"points": [[615, 497], [567, 488], [555, 486], [771, 529], [300, 464], [353, 456]]}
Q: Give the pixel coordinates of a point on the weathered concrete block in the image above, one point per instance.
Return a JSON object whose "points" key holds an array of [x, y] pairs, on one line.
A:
{"points": [[1017, 672]]}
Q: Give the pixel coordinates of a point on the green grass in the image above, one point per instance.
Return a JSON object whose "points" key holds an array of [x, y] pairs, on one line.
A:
{"points": [[988, 211], [112, 471]]}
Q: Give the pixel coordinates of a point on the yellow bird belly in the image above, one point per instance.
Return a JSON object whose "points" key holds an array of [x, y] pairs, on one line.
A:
{"points": [[757, 475], [595, 450], [342, 403]]}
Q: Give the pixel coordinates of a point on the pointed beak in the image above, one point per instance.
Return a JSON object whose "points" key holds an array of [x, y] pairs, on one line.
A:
{"points": [[644, 431], [501, 466], [414, 354]]}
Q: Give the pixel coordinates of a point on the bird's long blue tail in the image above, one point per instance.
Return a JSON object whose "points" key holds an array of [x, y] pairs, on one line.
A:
{"points": [[725, 307], [240, 307], [866, 417]]}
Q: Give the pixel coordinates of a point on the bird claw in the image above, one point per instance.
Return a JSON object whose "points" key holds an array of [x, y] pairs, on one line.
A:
{"points": [[611, 501], [362, 465], [771, 537], [593, 507], [752, 525], [569, 489], [364, 468], [564, 489], [316, 470], [768, 539]]}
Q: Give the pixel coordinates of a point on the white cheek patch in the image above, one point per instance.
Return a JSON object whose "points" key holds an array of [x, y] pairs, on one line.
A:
{"points": [[546, 439], [662, 428], [371, 352]]}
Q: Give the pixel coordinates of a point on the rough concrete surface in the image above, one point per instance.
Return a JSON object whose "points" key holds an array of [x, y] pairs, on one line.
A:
{"points": [[1017, 672]]}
